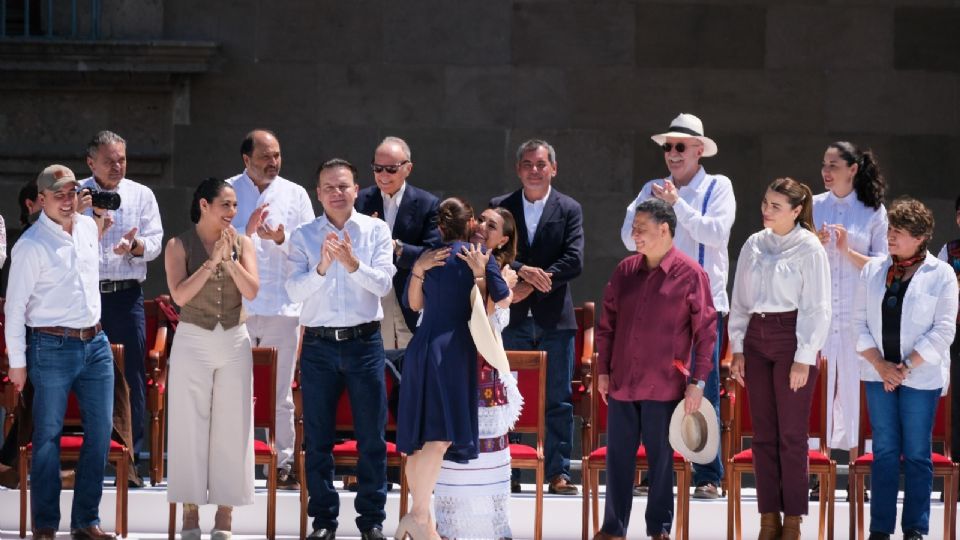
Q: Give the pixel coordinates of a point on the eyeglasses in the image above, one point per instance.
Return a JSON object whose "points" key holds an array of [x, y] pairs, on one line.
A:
{"points": [[681, 147], [391, 169]]}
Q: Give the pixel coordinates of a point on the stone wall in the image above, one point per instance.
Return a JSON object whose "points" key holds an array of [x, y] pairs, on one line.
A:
{"points": [[465, 81]]}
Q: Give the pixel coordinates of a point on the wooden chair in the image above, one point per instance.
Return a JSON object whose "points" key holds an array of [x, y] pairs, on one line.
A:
{"points": [[346, 454], [583, 355], [595, 460], [728, 390], [8, 394], [159, 339], [943, 466], [531, 368], [264, 416], [819, 460], [70, 446]]}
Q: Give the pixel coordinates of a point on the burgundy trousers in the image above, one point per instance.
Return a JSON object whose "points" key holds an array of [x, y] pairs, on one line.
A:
{"points": [[780, 415]]}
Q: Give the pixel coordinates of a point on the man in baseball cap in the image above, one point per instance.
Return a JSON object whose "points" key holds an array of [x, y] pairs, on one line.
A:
{"points": [[54, 336]]}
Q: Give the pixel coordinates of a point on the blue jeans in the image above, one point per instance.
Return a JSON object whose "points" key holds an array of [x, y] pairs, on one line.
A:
{"points": [[326, 368], [712, 472], [527, 335], [58, 365], [124, 322], [902, 423]]}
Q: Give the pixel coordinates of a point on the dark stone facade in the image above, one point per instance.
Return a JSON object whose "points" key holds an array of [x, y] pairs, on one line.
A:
{"points": [[466, 81]]}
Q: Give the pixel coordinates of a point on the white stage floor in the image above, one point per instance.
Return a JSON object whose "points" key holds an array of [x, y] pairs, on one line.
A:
{"points": [[148, 516]]}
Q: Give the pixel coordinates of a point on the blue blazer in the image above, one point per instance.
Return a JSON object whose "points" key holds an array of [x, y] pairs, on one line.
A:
{"points": [[415, 227], [557, 248]]}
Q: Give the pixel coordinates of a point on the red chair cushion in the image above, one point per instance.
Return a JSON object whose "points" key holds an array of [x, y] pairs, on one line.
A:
{"points": [[600, 454], [74, 442], [261, 448], [349, 448], [522, 451], [814, 457], [939, 460]]}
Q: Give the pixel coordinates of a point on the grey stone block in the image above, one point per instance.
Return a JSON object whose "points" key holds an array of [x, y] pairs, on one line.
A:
{"points": [[768, 101], [305, 148], [541, 97], [258, 94], [131, 19], [903, 102], [923, 37], [922, 166], [466, 32], [320, 31], [686, 36], [478, 97], [232, 23], [379, 95], [830, 37], [573, 33]]}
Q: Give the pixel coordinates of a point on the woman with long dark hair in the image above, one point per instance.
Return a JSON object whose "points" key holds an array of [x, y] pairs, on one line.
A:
{"points": [[472, 500], [852, 225], [779, 316], [905, 321], [437, 416], [210, 269]]}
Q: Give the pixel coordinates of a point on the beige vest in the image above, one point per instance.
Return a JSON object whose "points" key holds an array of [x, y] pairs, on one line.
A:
{"points": [[219, 301]]}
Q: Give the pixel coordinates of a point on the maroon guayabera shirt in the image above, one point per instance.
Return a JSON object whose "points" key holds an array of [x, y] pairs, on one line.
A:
{"points": [[650, 318]]}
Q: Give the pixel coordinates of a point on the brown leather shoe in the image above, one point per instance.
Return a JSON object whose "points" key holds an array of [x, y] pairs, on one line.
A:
{"points": [[68, 479], [604, 536], [770, 526], [44, 533], [559, 485], [791, 528], [94, 532]]}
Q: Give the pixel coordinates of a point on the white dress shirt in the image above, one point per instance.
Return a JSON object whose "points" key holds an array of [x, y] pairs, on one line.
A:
{"points": [[391, 205], [532, 212], [777, 274], [695, 227], [288, 204], [54, 281], [927, 325], [3, 242], [138, 208], [866, 234], [340, 298]]}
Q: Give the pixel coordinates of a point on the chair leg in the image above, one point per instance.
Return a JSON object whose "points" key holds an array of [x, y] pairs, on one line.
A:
{"points": [[585, 499], [858, 486], [272, 500], [155, 456], [833, 500], [822, 514], [23, 492], [404, 486], [538, 519], [172, 523], [595, 499], [161, 440], [121, 485], [302, 475], [738, 524]]}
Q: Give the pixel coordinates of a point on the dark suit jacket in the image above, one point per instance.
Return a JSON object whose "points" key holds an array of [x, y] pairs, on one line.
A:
{"points": [[415, 227], [557, 248]]}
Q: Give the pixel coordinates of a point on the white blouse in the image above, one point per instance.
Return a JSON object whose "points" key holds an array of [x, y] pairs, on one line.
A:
{"points": [[927, 324], [777, 274], [866, 234]]}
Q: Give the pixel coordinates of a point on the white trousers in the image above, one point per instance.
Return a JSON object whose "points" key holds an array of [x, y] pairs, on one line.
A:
{"points": [[393, 327], [211, 416], [283, 333], [843, 386]]}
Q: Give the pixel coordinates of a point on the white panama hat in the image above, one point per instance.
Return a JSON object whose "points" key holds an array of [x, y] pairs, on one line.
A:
{"points": [[688, 125], [696, 436]]}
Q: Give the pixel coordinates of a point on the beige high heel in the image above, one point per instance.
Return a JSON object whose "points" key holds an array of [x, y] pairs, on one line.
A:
{"points": [[410, 529]]}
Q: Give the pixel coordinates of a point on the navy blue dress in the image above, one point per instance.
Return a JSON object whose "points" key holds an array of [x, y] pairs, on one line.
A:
{"points": [[438, 392]]}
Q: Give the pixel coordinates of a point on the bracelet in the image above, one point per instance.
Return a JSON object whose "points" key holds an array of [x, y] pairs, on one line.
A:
{"points": [[479, 278], [416, 276], [207, 268]]}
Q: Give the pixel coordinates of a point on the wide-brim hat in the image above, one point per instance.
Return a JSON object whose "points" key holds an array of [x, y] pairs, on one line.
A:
{"points": [[696, 436], [688, 125]]}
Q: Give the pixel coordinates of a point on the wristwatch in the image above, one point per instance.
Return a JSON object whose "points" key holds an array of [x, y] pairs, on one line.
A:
{"points": [[908, 363], [398, 249], [700, 383]]}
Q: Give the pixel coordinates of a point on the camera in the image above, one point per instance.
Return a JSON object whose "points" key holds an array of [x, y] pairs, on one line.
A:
{"points": [[105, 200]]}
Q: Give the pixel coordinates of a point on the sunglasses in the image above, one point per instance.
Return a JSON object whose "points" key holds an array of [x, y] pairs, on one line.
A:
{"points": [[681, 147], [391, 169]]}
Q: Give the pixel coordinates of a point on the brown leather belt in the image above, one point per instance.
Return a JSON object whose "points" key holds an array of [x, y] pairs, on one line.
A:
{"points": [[76, 333]]}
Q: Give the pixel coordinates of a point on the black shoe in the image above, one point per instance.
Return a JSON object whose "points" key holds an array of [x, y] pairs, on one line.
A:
{"points": [[878, 536], [815, 490], [641, 489], [912, 535], [372, 533], [324, 534], [515, 486], [287, 480]]}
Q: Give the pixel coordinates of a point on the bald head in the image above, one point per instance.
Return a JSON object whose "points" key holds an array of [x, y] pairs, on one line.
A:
{"points": [[260, 151], [392, 164]]}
